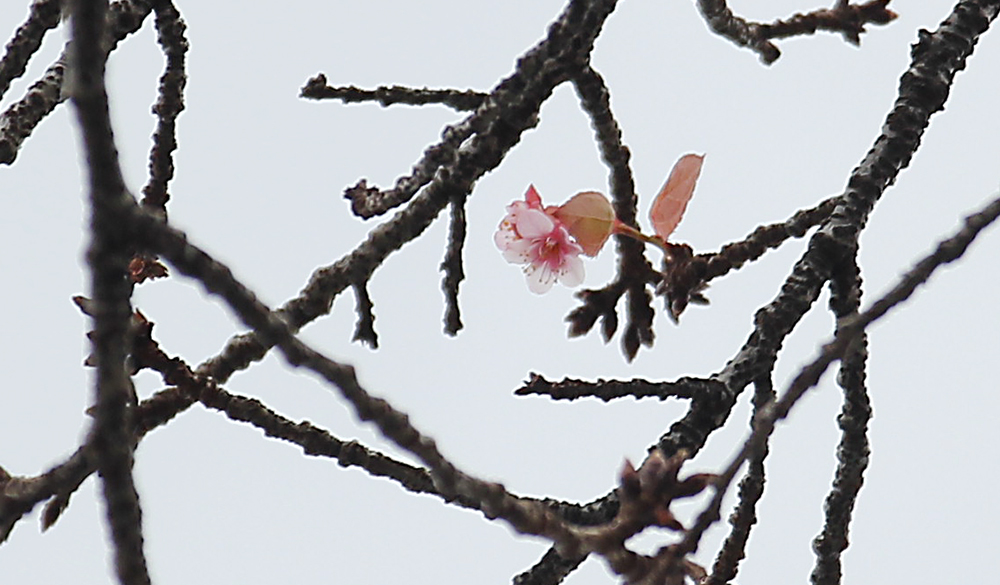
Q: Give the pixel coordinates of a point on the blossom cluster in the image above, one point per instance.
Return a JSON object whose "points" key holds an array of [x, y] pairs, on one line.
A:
{"points": [[548, 241], [531, 236]]}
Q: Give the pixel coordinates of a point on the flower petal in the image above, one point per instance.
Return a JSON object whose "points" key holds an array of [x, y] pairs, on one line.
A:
{"points": [[572, 272], [533, 199], [504, 235], [518, 252], [540, 278], [532, 224]]}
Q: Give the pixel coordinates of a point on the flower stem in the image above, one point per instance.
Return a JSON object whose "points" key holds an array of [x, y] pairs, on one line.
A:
{"points": [[629, 231]]}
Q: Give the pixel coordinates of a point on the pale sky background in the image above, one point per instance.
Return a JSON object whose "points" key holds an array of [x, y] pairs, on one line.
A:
{"points": [[259, 179]]}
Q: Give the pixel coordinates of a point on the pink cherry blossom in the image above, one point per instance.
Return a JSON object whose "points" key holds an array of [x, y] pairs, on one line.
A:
{"points": [[529, 235]]}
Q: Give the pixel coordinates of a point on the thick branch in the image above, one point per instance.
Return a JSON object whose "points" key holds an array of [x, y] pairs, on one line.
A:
{"points": [[847, 341], [853, 451], [923, 89], [108, 256]]}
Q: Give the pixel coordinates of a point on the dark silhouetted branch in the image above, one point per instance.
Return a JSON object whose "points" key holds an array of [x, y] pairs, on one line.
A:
{"points": [[750, 491], [687, 275], [22, 494], [633, 268], [317, 88], [43, 17], [848, 19], [550, 569], [20, 119], [923, 89], [170, 30], [454, 274], [853, 451], [607, 390], [18, 495], [367, 202], [848, 343], [510, 111], [597, 303], [365, 329], [107, 256]]}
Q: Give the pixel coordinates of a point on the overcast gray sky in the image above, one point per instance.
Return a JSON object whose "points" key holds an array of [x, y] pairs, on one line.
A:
{"points": [[260, 174]]}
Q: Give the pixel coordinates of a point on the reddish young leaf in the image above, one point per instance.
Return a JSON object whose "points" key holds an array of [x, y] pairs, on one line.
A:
{"points": [[590, 219], [668, 207]]}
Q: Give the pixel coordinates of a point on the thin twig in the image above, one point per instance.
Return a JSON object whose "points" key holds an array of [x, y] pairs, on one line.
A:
{"points": [[317, 88], [751, 489], [364, 330], [43, 17], [688, 275], [607, 390], [848, 19], [454, 273], [170, 30], [368, 202], [633, 267], [21, 118]]}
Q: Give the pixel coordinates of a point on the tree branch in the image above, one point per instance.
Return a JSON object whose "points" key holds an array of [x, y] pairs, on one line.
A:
{"points": [[849, 335], [43, 17], [108, 256], [170, 30], [20, 119], [510, 111], [848, 19], [318, 88]]}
